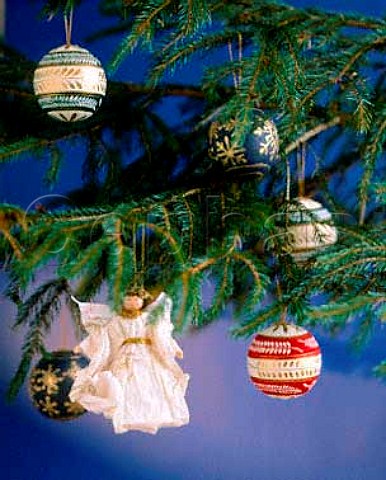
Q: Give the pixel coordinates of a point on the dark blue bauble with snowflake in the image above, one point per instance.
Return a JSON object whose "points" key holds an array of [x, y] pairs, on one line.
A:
{"points": [[51, 381], [254, 156]]}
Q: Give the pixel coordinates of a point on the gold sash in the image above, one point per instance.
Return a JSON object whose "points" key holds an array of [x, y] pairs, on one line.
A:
{"points": [[136, 341]]}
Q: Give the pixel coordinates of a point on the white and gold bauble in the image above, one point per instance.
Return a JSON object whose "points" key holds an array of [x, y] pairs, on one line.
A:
{"points": [[309, 228], [69, 83], [284, 361]]}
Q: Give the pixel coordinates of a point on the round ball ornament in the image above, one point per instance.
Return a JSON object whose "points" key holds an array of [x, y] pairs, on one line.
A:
{"points": [[284, 361], [51, 381], [69, 83], [254, 156], [309, 228]]}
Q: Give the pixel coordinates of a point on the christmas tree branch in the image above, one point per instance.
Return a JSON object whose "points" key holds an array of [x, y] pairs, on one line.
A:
{"points": [[140, 29], [305, 137], [38, 313]]}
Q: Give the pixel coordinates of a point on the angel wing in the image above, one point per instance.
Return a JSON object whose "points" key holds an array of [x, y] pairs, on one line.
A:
{"points": [[96, 346], [93, 314], [161, 332]]}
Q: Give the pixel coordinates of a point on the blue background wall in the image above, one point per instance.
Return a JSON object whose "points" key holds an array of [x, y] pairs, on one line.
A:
{"points": [[337, 432]]}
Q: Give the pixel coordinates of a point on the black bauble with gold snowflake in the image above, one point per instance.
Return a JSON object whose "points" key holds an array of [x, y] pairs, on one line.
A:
{"points": [[50, 384], [255, 155]]}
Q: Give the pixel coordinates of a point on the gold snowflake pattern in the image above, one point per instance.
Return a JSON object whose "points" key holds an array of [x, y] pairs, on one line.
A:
{"points": [[228, 154], [49, 407], [222, 148], [73, 408], [46, 380], [261, 144], [268, 140]]}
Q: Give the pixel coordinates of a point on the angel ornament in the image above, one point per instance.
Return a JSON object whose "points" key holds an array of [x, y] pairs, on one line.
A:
{"points": [[133, 378]]}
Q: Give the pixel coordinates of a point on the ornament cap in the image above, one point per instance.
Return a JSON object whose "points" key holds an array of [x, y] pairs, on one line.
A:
{"points": [[283, 329]]}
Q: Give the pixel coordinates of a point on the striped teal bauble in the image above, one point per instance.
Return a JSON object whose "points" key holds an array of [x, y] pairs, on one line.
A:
{"points": [[69, 83], [309, 228]]}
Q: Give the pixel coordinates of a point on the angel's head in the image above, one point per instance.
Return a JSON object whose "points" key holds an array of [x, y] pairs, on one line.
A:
{"points": [[132, 303], [135, 299]]}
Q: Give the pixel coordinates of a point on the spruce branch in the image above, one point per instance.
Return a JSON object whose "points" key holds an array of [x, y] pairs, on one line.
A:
{"points": [[37, 314], [373, 150], [154, 209], [270, 315], [222, 293], [374, 44], [310, 134], [140, 30], [12, 217]]}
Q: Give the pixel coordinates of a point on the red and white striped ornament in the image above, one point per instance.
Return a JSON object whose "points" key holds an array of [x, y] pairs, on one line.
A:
{"points": [[284, 361]]}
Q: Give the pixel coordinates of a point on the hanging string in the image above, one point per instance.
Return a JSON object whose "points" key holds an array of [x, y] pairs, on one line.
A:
{"points": [[301, 169], [301, 154], [134, 240], [283, 316], [68, 18], [298, 169], [191, 227], [63, 333], [362, 212], [288, 181], [236, 74], [240, 46], [240, 39], [143, 253], [304, 153]]}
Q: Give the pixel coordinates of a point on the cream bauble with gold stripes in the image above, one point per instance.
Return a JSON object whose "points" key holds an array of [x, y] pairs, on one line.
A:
{"points": [[69, 83]]}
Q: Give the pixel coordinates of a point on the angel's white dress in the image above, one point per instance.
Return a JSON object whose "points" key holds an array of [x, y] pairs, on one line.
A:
{"points": [[132, 378]]}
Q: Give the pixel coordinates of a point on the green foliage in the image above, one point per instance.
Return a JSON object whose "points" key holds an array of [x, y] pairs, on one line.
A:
{"points": [[55, 7], [37, 314], [154, 210], [380, 370]]}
